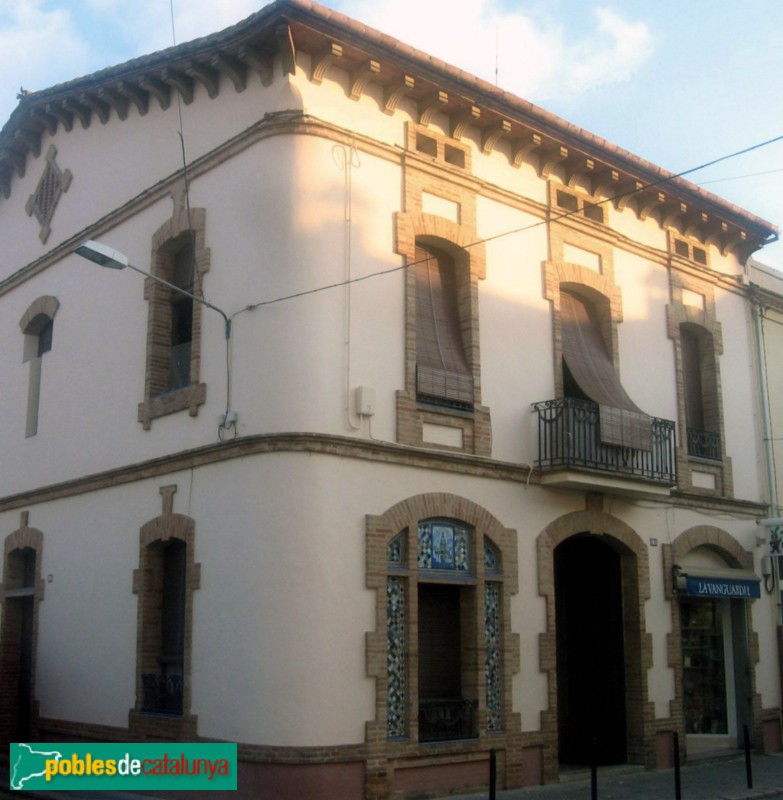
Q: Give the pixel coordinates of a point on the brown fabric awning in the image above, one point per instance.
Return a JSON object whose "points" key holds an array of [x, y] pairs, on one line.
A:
{"points": [[442, 369], [622, 422]]}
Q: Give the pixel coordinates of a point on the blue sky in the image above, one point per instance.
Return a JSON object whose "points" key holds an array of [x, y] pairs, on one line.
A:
{"points": [[677, 82]]}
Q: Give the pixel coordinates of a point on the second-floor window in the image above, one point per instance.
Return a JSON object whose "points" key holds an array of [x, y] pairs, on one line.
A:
{"points": [[700, 389], [443, 372], [181, 319], [589, 373]]}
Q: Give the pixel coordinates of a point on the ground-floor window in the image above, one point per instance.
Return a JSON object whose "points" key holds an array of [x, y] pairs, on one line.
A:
{"points": [[447, 580]]}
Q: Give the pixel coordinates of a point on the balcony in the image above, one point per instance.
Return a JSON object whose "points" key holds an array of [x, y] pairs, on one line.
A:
{"points": [[571, 453], [161, 694], [447, 720], [704, 444]]}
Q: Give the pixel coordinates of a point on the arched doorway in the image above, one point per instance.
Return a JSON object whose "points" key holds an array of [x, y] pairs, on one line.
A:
{"points": [[17, 644], [591, 652]]}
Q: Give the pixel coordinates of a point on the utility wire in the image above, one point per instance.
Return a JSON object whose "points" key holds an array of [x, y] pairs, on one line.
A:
{"points": [[559, 216], [739, 177]]}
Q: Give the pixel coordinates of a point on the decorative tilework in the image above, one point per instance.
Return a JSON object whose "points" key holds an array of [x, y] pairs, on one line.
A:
{"points": [[444, 546], [395, 657], [492, 668], [491, 559], [395, 552]]}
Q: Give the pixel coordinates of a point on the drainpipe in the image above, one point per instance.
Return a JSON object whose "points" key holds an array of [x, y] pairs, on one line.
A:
{"points": [[757, 313]]}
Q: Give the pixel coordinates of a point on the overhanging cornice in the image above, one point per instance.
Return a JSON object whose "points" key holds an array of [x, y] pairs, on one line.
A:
{"points": [[273, 36]]}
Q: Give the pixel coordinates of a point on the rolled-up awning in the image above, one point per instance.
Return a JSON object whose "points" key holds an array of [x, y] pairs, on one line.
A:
{"points": [[734, 584], [622, 422]]}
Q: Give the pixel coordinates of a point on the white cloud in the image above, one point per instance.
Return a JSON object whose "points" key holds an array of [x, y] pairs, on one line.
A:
{"points": [[147, 24], [537, 56], [40, 47]]}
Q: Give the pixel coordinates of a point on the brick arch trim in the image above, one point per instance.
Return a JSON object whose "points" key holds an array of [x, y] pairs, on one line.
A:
{"points": [[23, 537], [44, 306], [408, 513], [405, 516], [432, 228], [597, 522], [165, 527], [633, 551], [720, 541]]}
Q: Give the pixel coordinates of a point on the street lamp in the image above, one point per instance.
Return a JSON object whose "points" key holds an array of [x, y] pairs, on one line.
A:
{"points": [[106, 256]]}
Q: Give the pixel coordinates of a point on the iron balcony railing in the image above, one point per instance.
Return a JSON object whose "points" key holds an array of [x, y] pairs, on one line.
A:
{"points": [[161, 694], [447, 720], [569, 436], [704, 444]]}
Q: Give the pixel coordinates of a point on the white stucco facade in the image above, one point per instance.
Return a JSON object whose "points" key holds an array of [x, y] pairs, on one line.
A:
{"points": [[313, 203]]}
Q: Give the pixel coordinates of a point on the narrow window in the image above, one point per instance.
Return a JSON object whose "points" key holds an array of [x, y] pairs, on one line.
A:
{"points": [[181, 319], [179, 257], [700, 387], [443, 373], [164, 628], [38, 342]]}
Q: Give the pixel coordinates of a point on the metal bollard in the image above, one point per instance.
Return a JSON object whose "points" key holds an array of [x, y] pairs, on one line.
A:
{"points": [[748, 764], [493, 770], [594, 770], [677, 782]]}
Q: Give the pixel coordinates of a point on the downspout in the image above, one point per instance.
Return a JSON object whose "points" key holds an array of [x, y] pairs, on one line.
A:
{"points": [[757, 313]]}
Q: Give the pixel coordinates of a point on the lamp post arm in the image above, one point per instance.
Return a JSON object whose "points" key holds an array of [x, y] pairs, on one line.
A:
{"points": [[187, 294]]}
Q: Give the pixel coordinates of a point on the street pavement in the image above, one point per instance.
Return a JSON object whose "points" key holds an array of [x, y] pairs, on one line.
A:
{"points": [[723, 779]]}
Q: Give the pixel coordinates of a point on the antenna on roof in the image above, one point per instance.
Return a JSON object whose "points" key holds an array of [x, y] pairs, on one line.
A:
{"points": [[497, 51]]}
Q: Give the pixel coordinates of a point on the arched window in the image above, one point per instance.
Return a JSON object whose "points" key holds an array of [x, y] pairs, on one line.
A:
{"points": [[443, 372], [180, 257], [21, 593], [700, 388], [453, 591], [37, 325], [164, 582]]}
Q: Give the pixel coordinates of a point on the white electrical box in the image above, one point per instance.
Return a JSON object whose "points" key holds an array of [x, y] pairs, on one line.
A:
{"points": [[364, 397]]}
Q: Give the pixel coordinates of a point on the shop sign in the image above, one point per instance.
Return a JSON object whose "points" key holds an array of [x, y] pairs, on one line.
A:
{"points": [[735, 589]]}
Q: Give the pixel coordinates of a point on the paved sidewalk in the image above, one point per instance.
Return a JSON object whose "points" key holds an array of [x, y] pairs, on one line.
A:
{"points": [[724, 779], [714, 780]]}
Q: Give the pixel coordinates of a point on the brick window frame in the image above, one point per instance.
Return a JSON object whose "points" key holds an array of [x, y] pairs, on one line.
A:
{"points": [[404, 518], [36, 326], [153, 536], [703, 321], [599, 291], [24, 538], [180, 230]]}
